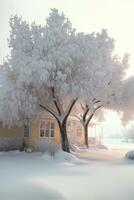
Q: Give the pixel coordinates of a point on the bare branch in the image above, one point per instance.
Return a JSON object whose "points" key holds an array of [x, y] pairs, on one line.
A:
{"points": [[92, 114], [49, 110], [98, 107], [82, 107], [69, 109], [94, 99], [55, 100], [97, 101], [85, 114], [89, 119]]}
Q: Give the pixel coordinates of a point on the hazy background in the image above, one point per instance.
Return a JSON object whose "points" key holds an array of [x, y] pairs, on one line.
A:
{"points": [[86, 15]]}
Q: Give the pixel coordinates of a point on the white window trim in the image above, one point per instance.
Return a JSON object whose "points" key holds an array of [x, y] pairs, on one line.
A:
{"points": [[47, 120]]}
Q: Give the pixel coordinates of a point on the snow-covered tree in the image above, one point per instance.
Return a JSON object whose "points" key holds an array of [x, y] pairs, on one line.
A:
{"points": [[106, 73], [125, 104], [45, 69], [52, 66]]}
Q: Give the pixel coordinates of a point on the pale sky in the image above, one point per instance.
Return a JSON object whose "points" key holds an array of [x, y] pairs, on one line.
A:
{"points": [[85, 15]]}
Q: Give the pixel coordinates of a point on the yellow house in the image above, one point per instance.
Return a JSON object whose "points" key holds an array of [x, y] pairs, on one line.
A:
{"points": [[10, 138], [75, 131], [40, 131]]}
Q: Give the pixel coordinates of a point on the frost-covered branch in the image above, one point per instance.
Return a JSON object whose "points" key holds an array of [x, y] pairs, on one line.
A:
{"points": [[49, 110], [69, 109], [56, 101], [89, 119], [85, 113]]}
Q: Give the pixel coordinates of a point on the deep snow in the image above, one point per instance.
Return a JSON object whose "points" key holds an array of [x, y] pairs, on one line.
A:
{"points": [[33, 176]]}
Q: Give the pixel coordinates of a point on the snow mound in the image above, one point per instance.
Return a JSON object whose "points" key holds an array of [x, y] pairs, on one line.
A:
{"points": [[101, 146], [64, 156], [15, 152], [130, 155], [46, 157], [60, 156]]}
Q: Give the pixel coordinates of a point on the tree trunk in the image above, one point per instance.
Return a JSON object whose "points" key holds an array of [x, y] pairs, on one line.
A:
{"points": [[86, 135], [64, 138], [86, 118], [62, 124]]}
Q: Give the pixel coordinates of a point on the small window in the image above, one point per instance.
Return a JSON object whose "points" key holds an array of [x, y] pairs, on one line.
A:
{"points": [[26, 130], [47, 129]]}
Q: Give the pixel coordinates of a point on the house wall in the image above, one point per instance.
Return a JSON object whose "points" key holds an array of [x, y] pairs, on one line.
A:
{"points": [[72, 128], [34, 140], [10, 138], [13, 132], [13, 138]]}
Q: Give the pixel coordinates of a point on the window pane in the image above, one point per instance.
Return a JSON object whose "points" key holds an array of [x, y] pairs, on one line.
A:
{"points": [[47, 129], [47, 126], [42, 125], [41, 133], [46, 133], [52, 133], [52, 125]]}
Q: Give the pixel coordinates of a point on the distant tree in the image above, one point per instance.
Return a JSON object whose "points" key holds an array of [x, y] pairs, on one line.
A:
{"points": [[126, 103], [129, 134]]}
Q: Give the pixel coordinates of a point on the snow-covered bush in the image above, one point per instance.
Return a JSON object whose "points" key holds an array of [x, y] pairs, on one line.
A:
{"points": [[7, 144], [75, 144], [130, 155], [47, 146], [28, 150]]}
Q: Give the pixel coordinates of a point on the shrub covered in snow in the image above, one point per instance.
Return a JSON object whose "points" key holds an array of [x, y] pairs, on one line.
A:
{"points": [[130, 155], [47, 146], [60, 156], [28, 150], [74, 143]]}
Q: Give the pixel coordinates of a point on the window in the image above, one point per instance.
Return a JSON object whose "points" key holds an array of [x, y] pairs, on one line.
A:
{"points": [[26, 130], [47, 129]]}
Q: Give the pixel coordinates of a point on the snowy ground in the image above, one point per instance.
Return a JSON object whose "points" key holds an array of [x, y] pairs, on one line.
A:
{"points": [[33, 176], [117, 144]]}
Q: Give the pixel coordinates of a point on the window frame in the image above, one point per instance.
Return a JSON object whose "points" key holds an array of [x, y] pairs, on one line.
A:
{"points": [[45, 121]]}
